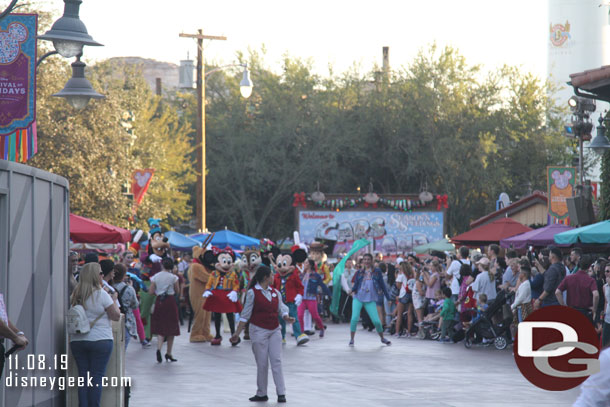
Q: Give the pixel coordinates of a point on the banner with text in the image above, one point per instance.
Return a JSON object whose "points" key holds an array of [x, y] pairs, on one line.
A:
{"points": [[391, 232], [18, 87]]}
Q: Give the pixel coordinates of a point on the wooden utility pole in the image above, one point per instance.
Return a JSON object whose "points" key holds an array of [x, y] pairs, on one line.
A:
{"points": [[200, 140]]}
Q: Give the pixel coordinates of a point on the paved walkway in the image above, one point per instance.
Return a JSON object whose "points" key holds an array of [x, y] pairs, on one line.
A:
{"points": [[326, 372]]}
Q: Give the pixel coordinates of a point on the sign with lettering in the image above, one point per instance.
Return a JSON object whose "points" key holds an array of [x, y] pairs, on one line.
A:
{"points": [[17, 72], [391, 231]]}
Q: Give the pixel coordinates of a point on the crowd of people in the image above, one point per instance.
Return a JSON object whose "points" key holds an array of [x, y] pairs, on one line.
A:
{"points": [[402, 298]]}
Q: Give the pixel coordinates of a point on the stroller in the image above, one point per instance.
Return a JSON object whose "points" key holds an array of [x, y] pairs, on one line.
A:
{"points": [[429, 330], [494, 324]]}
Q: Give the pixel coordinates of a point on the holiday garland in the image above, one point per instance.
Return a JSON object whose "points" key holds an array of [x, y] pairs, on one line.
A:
{"points": [[300, 199]]}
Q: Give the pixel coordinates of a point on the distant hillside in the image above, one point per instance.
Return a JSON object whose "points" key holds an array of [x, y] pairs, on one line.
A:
{"points": [[152, 69]]}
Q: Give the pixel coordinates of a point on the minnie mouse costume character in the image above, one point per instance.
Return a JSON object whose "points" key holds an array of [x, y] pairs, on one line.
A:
{"points": [[221, 291], [288, 283]]}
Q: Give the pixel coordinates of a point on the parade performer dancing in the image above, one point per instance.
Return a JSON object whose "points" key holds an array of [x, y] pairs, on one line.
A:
{"points": [[311, 282], [263, 307], [199, 274], [288, 283], [368, 286], [221, 291]]}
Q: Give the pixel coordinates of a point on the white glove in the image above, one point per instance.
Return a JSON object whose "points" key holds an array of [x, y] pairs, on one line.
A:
{"points": [[232, 296], [207, 294], [154, 258], [298, 299]]}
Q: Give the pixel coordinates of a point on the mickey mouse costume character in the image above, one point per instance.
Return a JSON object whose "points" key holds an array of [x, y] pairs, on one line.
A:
{"points": [[157, 249], [158, 246], [288, 283], [221, 291]]}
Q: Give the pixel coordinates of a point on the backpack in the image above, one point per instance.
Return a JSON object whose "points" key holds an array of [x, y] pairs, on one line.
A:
{"points": [[77, 321], [122, 308]]}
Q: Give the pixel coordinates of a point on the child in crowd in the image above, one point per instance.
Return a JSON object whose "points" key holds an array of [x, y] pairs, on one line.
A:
{"points": [[447, 316], [435, 307], [481, 307]]}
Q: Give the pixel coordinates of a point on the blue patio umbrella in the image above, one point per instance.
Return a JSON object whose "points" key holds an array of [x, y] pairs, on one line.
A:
{"points": [[226, 237]]}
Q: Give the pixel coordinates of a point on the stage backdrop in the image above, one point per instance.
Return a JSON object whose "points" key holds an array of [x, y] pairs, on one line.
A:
{"points": [[391, 231]]}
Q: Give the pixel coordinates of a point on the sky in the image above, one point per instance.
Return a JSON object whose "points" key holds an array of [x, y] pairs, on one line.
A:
{"points": [[330, 32]]}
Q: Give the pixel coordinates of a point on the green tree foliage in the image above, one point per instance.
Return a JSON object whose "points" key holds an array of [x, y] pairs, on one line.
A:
{"points": [[438, 121], [98, 148]]}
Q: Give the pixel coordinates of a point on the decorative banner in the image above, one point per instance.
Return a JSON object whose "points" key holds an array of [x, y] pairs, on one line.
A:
{"points": [[390, 231], [18, 141], [140, 181], [561, 182]]}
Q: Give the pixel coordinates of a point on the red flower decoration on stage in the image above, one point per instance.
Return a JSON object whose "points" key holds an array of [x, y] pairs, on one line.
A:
{"points": [[442, 202], [299, 199]]}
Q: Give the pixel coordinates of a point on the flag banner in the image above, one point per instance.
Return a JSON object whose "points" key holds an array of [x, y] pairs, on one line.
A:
{"points": [[18, 141], [140, 181], [561, 183]]}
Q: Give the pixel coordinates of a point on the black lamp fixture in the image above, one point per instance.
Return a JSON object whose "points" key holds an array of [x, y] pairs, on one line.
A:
{"points": [[78, 89], [600, 143], [69, 33]]}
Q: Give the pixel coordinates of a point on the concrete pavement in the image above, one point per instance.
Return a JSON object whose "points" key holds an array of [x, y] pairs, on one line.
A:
{"points": [[326, 372]]}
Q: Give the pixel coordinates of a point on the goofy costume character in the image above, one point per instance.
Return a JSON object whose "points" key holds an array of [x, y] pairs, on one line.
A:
{"points": [[221, 291], [289, 284]]}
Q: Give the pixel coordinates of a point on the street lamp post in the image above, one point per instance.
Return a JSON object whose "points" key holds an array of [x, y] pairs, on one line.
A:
{"points": [[69, 35], [245, 89]]}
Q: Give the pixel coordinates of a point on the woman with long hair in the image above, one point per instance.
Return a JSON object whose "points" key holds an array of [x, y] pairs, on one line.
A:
{"points": [[405, 301], [92, 350], [164, 321], [311, 281], [127, 299], [368, 286], [262, 308]]}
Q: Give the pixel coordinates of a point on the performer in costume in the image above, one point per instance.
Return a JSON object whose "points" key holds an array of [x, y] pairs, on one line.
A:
{"points": [[263, 307], [222, 291], [157, 249], [316, 253], [158, 246], [311, 282], [368, 286], [251, 259], [288, 283], [199, 274]]}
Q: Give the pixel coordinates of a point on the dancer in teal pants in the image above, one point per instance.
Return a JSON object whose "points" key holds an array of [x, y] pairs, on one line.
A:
{"points": [[368, 286]]}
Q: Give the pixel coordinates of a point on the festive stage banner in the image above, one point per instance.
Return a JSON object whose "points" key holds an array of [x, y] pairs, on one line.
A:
{"points": [[390, 232], [140, 181], [18, 140], [561, 182]]}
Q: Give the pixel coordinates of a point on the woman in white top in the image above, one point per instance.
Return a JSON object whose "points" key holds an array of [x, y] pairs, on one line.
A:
{"points": [[405, 301], [485, 282], [164, 321], [92, 350], [522, 306]]}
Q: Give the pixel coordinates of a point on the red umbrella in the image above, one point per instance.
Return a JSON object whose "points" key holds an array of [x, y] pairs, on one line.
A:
{"points": [[84, 230], [490, 233]]}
